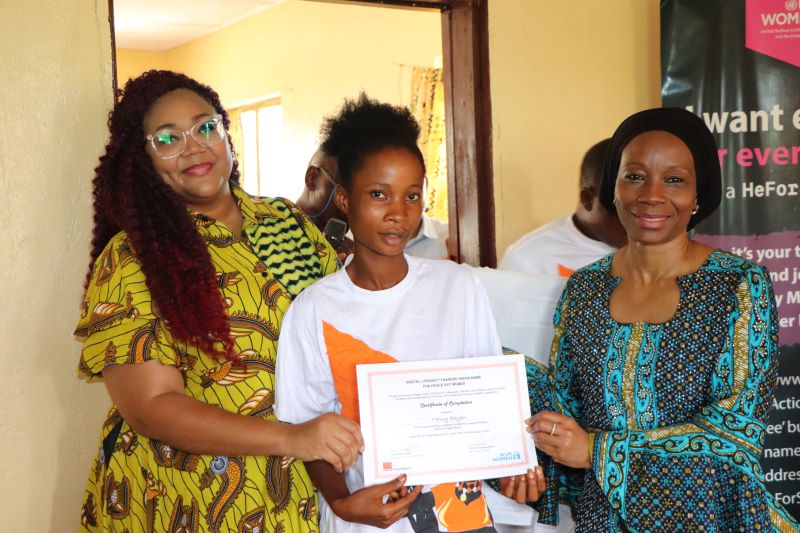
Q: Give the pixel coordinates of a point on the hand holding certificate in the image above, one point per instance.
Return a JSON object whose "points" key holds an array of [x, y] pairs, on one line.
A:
{"points": [[445, 420]]}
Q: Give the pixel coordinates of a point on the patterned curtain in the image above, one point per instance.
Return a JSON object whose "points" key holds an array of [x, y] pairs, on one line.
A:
{"points": [[427, 105]]}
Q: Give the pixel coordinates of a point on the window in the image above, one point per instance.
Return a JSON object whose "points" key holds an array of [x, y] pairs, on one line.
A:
{"points": [[258, 138]]}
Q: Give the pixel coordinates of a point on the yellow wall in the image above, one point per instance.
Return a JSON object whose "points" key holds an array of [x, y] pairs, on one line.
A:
{"points": [[131, 63], [55, 94], [313, 55], [563, 76]]}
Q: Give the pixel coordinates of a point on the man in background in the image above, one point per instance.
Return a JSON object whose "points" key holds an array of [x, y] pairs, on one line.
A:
{"points": [[575, 240], [316, 201]]}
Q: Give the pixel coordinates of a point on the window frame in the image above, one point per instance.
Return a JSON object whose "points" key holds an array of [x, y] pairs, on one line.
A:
{"points": [[256, 106]]}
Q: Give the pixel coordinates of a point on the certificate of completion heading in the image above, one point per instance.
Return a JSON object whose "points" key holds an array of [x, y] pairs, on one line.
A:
{"points": [[445, 420]]}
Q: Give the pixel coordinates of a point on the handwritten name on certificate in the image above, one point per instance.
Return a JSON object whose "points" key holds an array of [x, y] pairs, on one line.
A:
{"points": [[445, 420]]}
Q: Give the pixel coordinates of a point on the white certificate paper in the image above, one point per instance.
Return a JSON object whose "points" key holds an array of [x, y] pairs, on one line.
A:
{"points": [[445, 420]]}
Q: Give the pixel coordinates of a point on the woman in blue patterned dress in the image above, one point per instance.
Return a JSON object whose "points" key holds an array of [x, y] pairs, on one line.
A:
{"points": [[664, 359]]}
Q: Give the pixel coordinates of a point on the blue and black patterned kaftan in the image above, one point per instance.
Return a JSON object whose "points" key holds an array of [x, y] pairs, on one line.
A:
{"points": [[676, 411]]}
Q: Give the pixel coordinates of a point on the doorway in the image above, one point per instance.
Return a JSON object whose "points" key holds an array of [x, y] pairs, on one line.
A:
{"points": [[464, 53]]}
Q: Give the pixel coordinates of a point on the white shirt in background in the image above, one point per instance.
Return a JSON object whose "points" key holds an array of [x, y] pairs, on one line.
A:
{"points": [[557, 249], [431, 241]]}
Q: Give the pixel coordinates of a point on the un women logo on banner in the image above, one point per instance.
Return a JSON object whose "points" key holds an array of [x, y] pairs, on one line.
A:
{"points": [[772, 28]]}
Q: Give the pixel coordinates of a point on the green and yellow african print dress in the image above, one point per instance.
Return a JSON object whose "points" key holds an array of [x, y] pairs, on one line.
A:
{"points": [[140, 484]]}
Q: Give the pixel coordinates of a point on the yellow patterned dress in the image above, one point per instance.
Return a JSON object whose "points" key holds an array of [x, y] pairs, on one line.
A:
{"points": [[140, 484]]}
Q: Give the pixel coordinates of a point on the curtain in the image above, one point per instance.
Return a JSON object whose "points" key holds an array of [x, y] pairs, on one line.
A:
{"points": [[427, 105]]}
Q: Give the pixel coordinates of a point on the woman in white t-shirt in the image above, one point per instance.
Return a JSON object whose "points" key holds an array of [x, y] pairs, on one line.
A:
{"points": [[384, 306]]}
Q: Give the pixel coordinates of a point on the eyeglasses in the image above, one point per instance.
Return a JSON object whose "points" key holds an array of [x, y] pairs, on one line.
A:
{"points": [[169, 143]]}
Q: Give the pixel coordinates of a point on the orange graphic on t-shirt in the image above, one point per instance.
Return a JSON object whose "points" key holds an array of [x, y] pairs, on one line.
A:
{"points": [[456, 515], [344, 353], [563, 271]]}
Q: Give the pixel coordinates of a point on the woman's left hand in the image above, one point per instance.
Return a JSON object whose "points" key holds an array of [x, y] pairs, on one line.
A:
{"points": [[560, 437]]}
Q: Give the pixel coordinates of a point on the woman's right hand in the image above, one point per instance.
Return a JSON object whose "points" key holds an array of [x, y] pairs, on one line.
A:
{"points": [[366, 506], [560, 437], [330, 437]]}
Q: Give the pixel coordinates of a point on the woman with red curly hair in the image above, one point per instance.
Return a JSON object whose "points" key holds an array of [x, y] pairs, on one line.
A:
{"points": [[189, 282]]}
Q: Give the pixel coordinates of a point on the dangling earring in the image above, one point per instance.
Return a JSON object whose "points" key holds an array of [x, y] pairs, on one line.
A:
{"points": [[696, 209]]}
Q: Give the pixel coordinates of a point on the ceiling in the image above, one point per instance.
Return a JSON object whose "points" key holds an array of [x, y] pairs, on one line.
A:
{"points": [[161, 25]]}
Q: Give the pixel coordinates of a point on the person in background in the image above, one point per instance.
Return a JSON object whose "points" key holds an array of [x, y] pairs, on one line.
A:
{"points": [[653, 411], [570, 242], [189, 281], [385, 306], [430, 239], [316, 200]]}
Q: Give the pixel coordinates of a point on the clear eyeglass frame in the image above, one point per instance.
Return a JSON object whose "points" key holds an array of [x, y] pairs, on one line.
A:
{"points": [[199, 138]]}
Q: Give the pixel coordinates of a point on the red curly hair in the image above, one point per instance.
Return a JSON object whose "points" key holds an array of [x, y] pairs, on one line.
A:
{"points": [[130, 196]]}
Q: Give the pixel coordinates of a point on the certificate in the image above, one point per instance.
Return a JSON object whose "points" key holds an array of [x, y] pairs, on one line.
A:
{"points": [[445, 420]]}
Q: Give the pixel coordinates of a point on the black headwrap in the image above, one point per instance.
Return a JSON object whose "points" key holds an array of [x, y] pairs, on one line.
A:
{"points": [[689, 128]]}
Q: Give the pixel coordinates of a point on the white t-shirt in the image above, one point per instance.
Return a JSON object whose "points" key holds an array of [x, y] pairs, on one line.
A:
{"points": [[557, 249], [439, 310]]}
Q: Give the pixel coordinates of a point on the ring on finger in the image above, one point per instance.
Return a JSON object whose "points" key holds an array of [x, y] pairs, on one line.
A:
{"points": [[553, 431]]}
